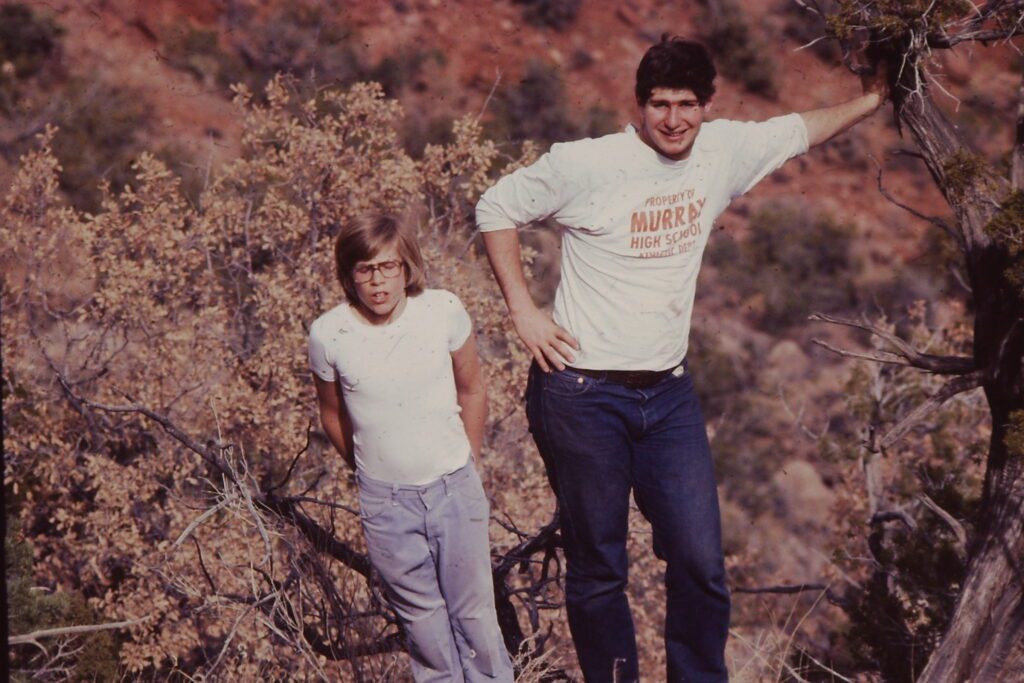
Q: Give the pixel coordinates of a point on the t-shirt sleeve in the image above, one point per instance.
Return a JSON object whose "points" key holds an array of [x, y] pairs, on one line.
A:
{"points": [[526, 195], [758, 148], [318, 360], [459, 324]]}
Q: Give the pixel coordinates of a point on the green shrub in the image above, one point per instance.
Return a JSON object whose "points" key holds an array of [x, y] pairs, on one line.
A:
{"points": [[1007, 229], [31, 608], [536, 109], [556, 14], [402, 69], [198, 51], [737, 53], [747, 451], [419, 131], [808, 28], [101, 127], [794, 263], [745, 454], [301, 40], [26, 39], [899, 616], [720, 376]]}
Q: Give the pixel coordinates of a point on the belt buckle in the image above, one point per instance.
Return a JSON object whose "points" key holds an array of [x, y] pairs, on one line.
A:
{"points": [[639, 379]]}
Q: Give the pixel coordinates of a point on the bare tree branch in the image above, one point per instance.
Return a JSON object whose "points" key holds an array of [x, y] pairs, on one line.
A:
{"points": [[991, 36], [291, 467], [202, 566], [1017, 173], [781, 589], [934, 220], [955, 526], [325, 503], [897, 515], [956, 385], [320, 538], [34, 636], [208, 454], [874, 356], [940, 365], [198, 521], [1008, 17], [288, 509], [790, 589]]}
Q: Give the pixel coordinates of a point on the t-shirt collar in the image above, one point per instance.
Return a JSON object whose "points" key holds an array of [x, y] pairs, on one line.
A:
{"points": [[350, 321], [649, 154]]}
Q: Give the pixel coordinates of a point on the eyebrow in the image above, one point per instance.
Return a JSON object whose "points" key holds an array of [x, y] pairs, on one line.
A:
{"points": [[664, 100], [372, 262]]}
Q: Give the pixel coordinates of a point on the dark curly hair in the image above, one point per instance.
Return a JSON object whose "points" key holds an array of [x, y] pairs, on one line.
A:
{"points": [[676, 63]]}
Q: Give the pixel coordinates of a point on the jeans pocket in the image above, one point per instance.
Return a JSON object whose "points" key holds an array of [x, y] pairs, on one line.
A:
{"points": [[479, 510], [473, 502], [567, 383], [371, 506]]}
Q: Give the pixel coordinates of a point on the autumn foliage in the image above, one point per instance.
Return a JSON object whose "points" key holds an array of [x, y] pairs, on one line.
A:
{"points": [[166, 477], [199, 313]]}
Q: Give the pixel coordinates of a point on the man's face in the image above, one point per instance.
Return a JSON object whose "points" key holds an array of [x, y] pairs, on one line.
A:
{"points": [[670, 121]]}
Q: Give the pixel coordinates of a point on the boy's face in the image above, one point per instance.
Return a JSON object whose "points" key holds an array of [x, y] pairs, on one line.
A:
{"points": [[670, 121], [380, 283]]}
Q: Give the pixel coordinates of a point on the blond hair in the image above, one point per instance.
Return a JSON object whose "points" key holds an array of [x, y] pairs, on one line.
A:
{"points": [[365, 236]]}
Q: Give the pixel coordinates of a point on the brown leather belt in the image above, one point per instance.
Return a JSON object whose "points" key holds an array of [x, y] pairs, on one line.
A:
{"points": [[633, 379]]}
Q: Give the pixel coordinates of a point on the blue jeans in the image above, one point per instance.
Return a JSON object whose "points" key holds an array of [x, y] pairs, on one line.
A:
{"points": [[599, 440]]}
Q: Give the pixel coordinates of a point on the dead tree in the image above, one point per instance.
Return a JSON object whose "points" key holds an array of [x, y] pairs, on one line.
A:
{"points": [[985, 638]]}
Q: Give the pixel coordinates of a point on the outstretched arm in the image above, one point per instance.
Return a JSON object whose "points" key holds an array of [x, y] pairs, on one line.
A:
{"points": [[549, 343], [823, 124]]}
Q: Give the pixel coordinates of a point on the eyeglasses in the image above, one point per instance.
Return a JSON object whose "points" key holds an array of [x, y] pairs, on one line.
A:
{"points": [[364, 273]]}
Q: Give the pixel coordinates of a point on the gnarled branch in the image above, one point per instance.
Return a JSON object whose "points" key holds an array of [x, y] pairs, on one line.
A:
{"points": [[934, 220], [790, 589], [34, 636], [904, 353], [956, 385], [955, 526]]}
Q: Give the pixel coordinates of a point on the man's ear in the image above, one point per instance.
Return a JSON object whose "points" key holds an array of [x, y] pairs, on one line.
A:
{"points": [[707, 105]]}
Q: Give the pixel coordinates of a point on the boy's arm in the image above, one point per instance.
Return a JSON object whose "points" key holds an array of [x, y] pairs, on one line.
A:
{"points": [[471, 393], [335, 418], [548, 342]]}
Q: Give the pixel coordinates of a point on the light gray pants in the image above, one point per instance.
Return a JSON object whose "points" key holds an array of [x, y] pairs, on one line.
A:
{"points": [[429, 544]]}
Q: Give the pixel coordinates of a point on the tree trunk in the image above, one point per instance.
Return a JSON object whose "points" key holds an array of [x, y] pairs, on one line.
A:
{"points": [[985, 638]]}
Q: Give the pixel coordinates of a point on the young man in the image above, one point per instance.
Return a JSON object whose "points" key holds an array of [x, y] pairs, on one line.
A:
{"points": [[610, 403]]}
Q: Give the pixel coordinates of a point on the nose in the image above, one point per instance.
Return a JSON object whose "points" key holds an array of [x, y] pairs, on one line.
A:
{"points": [[376, 276], [675, 117]]}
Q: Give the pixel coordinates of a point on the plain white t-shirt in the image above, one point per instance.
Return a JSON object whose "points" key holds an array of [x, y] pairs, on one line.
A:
{"points": [[398, 385], [636, 227]]}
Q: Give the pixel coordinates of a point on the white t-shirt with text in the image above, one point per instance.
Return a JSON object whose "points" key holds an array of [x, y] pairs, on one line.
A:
{"points": [[636, 227], [398, 385]]}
